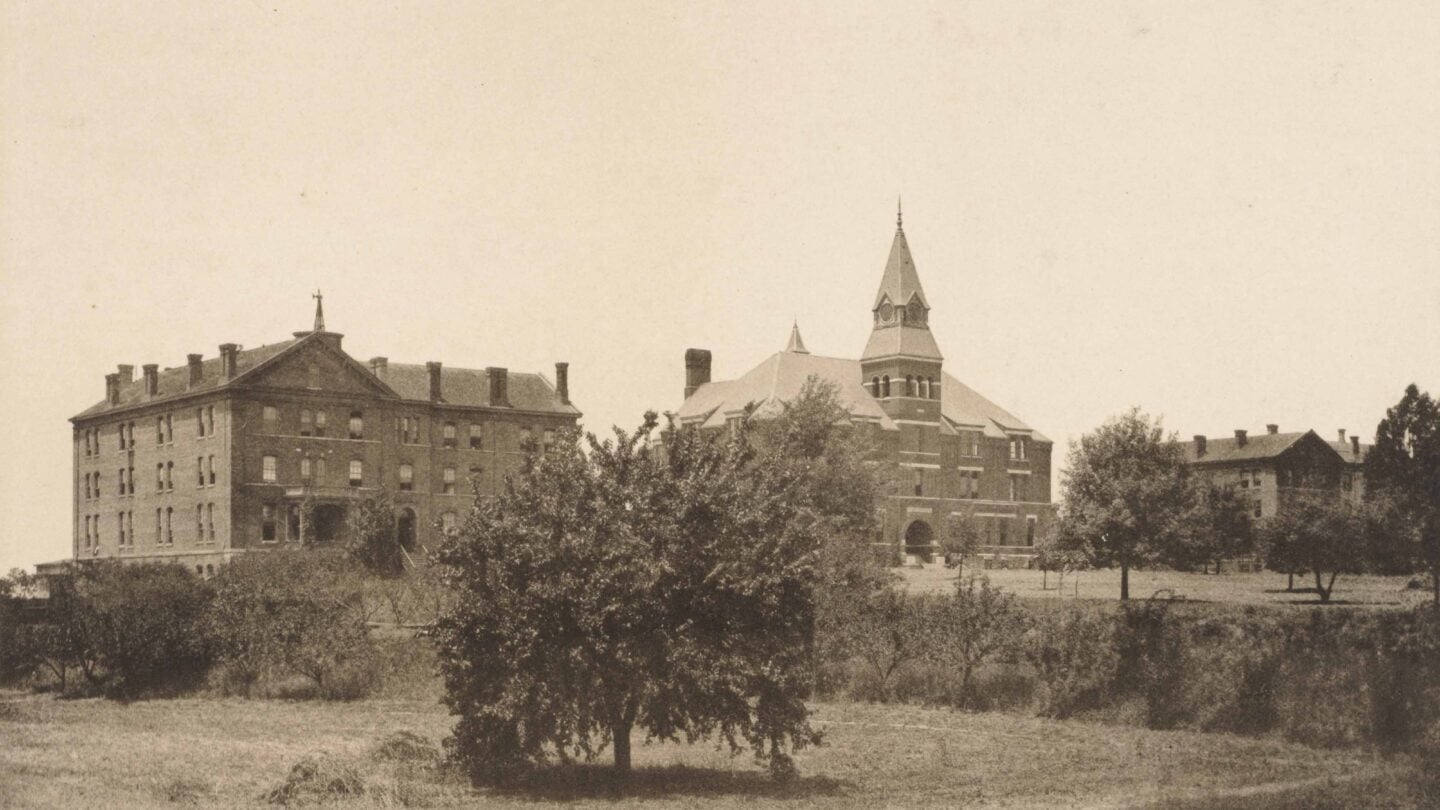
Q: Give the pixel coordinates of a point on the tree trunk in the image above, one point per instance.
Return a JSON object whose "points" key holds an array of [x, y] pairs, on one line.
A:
{"points": [[620, 733], [1291, 586], [1321, 589], [1045, 582], [1124, 583]]}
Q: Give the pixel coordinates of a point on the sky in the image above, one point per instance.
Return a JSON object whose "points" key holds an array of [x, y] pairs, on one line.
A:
{"points": [[1224, 213]]}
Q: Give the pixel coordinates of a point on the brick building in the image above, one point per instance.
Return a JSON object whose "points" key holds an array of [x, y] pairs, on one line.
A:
{"points": [[260, 447], [961, 457], [1267, 466]]}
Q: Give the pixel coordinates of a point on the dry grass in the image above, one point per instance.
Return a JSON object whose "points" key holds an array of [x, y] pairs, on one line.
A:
{"points": [[231, 753], [1265, 588]]}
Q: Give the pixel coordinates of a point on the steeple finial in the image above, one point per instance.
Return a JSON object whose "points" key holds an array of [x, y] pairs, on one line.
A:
{"points": [[319, 311], [796, 345], [899, 213]]}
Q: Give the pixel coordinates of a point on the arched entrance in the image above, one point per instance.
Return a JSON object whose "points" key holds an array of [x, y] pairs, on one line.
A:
{"points": [[919, 541], [405, 530]]}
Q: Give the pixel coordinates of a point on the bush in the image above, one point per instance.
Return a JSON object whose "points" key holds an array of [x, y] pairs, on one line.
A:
{"points": [[294, 612], [1076, 659]]}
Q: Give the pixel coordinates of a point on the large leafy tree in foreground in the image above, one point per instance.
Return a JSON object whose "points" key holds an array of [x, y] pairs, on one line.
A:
{"points": [[1318, 533], [1126, 496], [1402, 477], [632, 588]]}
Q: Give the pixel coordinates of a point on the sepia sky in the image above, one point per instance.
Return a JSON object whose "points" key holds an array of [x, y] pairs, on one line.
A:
{"points": [[1227, 213]]}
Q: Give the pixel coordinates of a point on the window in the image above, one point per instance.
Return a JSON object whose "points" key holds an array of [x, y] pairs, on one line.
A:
{"points": [[312, 376], [292, 524], [407, 477], [409, 430], [1257, 508], [1030, 522], [305, 469], [159, 526], [200, 422], [1244, 479], [1346, 483], [130, 480], [271, 417], [199, 522], [120, 522], [475, 440], [319, 423], [210, 522], [934, 389], [919, 482], [267, 523], [210, 420], [885, 385], [1017, 448], [87, 486], [267, 469], [549, 439], [199, 471], [169, 475], [159, 430], [319, 471], [357, 473], [875, 387], [307, 422], [169, 428], [909, 385], [210, 468], [357, 425], [448, 434], [121, 436], [524, 437], [159, 477], [924, 388], [448, 481], [447, 522], [1004, 531]]}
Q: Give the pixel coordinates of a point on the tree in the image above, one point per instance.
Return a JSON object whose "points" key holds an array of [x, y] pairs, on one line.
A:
{"points": [[373, 540], [975, 624], [1052, 554], [670, 588], [962, 539], [1125, 496], [1217, 527], [1315, 532], [1402, 476], [888, 631]]}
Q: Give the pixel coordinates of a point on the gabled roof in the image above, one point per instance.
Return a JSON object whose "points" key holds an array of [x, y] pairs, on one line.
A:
{"points": [[471, 387], [900, 281], [1347, 452], [781, 376], [1260, 447], [174, 382]]}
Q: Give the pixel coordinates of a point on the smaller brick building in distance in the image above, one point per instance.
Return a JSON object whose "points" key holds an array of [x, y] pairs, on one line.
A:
{"points": [[1269, 466], [961, 458], [261, 447]]}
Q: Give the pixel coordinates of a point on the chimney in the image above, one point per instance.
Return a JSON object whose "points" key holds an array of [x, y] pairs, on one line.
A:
{"points": [[499, 385], [562, 382], [697, 369], [379, 365], [1272, 429], [1342, 435], [112, 389], [152, 379], [192, 362], [1240, 438], [228, 355], [126, 375], [1355, 446], [435, 392], [1199, 446]]}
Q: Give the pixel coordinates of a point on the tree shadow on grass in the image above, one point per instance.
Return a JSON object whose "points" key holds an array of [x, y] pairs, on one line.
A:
{"points": [[575, 782]]}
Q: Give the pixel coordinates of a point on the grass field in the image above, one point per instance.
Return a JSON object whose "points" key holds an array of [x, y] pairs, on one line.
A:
{"points": [[1264, 588], [229, 752]]}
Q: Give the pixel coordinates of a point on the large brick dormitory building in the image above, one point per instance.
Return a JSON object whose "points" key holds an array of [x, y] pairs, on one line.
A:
{"points": [[261, 447], [961, 456]]}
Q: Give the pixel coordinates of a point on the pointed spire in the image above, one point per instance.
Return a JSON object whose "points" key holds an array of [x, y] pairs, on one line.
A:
{"points": [[900, 282], [899, 214], [796, 345], [319, 311]]}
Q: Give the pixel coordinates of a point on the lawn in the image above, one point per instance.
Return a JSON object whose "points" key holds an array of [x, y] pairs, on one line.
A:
{"points": [[1263, 588], [229, 752]]}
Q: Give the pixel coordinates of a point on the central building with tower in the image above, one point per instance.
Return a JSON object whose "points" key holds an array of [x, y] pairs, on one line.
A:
{"points": [[963, 461]]}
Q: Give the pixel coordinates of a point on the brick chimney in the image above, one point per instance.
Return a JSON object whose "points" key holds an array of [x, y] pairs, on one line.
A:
{"points": [[436, 394], [1342, 435], [1355, 445], [1199, 446], [379, 366], [193, 363], [697, 369], [126, 375], [112, 389], [1272, 429], [152, 379], [1241, 437], [229, 355], [562, 382], [499, 387]]}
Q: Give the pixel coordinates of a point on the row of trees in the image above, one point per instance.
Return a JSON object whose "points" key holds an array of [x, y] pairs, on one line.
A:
{"points": [[1130, 501]]}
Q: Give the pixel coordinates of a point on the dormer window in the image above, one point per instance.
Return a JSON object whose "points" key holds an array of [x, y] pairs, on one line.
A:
{"points": [[915, 312]]}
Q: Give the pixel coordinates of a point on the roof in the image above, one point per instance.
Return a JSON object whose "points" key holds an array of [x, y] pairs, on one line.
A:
{"points": [[1347, 452], [900, 280], [1259, 447], [781, 376], [906, 341], [174, 382], [471, 387]]}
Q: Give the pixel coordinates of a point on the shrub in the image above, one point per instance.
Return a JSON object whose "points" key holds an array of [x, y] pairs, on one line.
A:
{"points": [[297, 612], [317, 778], [1075, 657], [976, 624]]}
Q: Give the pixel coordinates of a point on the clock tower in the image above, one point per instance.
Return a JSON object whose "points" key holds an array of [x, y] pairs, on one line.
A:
{"points": [[901, 365]]}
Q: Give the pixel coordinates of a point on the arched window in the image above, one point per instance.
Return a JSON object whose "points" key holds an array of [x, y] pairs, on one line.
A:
{"points": [[924, 387], [885, 384], [875, 386], [934, 389], [169, 527]]}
